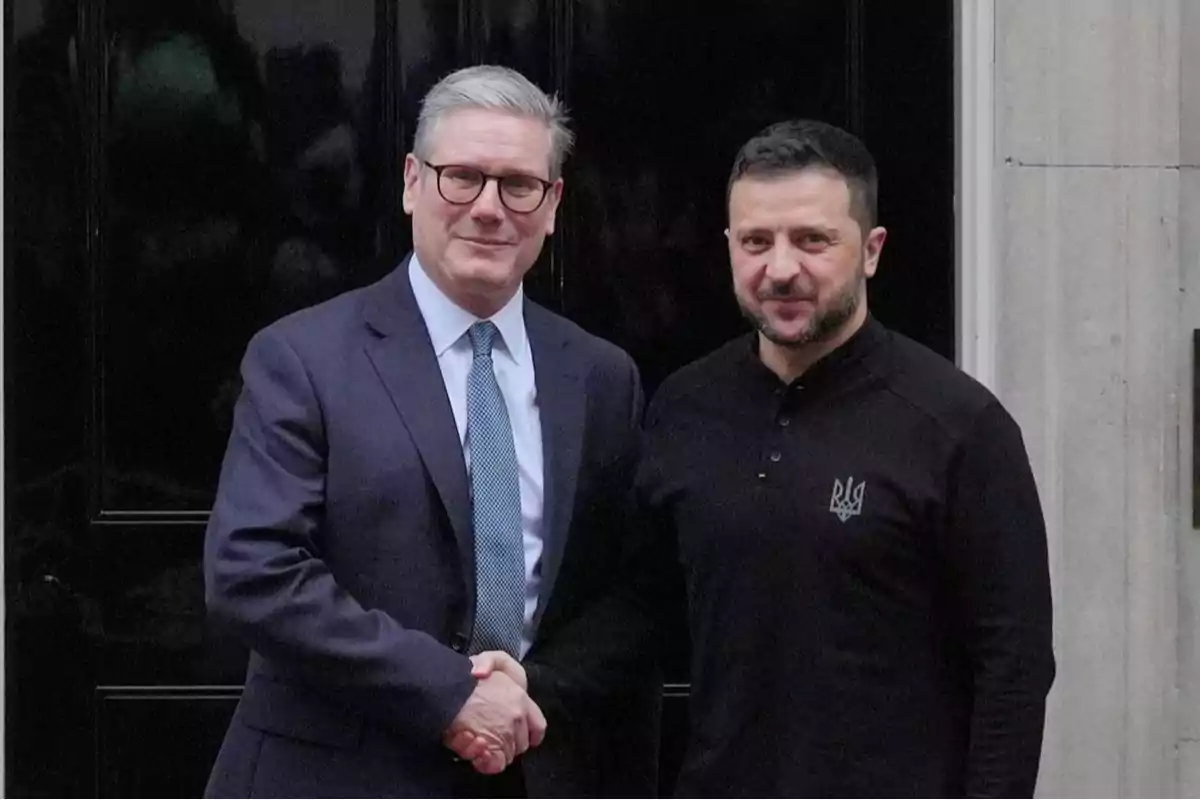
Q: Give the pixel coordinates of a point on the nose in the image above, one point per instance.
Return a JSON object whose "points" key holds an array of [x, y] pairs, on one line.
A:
{"points": [[782, 265], [487, 207]]}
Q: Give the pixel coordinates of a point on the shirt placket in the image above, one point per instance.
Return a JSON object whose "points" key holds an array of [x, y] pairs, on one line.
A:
{"points": [[774, 451]]}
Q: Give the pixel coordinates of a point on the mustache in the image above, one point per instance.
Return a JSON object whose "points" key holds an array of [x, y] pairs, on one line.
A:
{"points": [[784, 293], [794, 288]]}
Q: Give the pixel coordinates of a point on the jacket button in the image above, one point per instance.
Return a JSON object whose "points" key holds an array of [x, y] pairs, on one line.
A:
{"points": [[459, 642]]}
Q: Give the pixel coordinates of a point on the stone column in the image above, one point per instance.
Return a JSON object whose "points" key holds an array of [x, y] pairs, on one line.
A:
{"points": [[1090, 355]]}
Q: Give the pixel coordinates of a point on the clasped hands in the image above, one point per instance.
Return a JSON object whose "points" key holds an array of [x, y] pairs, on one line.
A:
{"points": [[498, 722]]}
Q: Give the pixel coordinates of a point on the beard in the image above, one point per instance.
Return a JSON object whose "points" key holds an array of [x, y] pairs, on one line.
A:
{"points": [[825, 322]]}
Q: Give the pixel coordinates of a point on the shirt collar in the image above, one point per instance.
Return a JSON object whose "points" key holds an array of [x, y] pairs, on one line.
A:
{"points": [[869, 339], [447, 322]]}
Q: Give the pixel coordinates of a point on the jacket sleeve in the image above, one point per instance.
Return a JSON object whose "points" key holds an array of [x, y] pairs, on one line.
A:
{"points": [[609, 649], [266, 577], [998, 568]]}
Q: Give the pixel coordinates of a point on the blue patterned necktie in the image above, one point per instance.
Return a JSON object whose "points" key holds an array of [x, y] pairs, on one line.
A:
{"points": [[495, 506]]}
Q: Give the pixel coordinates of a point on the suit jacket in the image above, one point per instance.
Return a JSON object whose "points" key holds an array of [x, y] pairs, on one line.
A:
{"points": [[340, 551]]}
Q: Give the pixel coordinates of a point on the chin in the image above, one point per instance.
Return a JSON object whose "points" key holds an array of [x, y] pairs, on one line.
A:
{"points": [[796, 340], [791, 328], [485, 270], [790, 335], [491, 281]]}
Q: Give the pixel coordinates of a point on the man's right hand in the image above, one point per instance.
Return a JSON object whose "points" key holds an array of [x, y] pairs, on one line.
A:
{"points": [[491, 661], [498, 723]]}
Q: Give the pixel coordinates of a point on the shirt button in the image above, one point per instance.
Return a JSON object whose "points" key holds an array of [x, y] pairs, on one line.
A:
{"points": [[776, 456], [785, 421], [458, 642]]}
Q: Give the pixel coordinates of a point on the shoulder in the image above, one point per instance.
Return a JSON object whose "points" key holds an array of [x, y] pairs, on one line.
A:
{"points": [[334, 329], [696, 377], [935, 387], [316, 323], [600, 356]]}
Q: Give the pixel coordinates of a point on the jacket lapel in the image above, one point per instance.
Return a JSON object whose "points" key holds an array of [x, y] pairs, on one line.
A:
{"points": [[562, 409], [404, 359]]}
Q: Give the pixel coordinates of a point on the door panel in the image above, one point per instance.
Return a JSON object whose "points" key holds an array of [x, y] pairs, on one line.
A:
{"points": [[180, 174], [239, 154], [154, 742], [51, 616]]}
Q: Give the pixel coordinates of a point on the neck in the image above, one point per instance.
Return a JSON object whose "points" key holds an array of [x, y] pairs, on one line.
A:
{"points": [[789, 363]]}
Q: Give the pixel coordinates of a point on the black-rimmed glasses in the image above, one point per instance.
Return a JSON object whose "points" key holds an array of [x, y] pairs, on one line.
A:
{"points": [[461, 185]]}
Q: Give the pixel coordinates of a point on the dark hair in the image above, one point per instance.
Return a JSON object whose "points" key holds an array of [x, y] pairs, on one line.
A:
{"points": [[796, 145]]}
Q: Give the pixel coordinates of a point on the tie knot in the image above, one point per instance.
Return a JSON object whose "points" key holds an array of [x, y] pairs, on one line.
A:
{"points": [[483, 336]]}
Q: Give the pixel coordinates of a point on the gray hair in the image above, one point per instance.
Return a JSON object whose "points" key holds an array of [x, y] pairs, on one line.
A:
{"points": [[497, 89]]}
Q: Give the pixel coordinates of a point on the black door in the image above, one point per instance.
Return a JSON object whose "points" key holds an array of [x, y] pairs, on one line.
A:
{"points": [[180, 173]]}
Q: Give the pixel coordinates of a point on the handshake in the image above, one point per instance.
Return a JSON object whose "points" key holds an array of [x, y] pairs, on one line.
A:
{"points": [[498, 722]]}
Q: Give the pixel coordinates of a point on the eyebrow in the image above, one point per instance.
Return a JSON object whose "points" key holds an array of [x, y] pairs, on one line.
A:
{"points": [[824, 229], [514, 173]]}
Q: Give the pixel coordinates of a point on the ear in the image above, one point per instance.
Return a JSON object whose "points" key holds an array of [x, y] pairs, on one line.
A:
{"points": [[412, 181], [553, 198], [872, 248]]}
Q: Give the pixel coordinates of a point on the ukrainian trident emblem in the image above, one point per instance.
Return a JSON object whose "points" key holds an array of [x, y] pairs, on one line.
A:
{"points": [[847, 498]]}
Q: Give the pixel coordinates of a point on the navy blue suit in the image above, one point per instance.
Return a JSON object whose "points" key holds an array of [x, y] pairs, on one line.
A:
{"points": [[340, 552]]}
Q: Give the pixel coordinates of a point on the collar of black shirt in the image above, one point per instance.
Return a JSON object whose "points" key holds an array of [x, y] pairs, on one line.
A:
{"points": [[830, 370]]}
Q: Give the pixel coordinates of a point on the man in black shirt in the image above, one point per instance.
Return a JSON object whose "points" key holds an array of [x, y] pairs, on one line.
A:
{"points": [[857, 523]]}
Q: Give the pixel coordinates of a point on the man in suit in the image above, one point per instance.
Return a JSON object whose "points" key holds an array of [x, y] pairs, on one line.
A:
{"points": [[422, 528]]}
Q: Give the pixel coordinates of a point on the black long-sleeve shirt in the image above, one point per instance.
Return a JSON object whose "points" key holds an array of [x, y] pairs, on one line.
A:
{"points": [[865, 564]]}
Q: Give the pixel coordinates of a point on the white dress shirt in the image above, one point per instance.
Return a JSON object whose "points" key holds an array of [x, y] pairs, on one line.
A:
{"points": [[512, 359]]}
